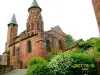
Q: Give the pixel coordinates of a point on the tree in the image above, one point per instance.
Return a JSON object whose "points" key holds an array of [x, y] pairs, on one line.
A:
{"points": [[84, 45], [69, 39]]}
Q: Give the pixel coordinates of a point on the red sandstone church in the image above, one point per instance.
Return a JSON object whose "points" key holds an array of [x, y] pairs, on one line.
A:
{"points": [[33, 41]]}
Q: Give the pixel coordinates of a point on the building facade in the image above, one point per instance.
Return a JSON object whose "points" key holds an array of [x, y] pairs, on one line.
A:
{"points": [[96, 6], [33, 41]]}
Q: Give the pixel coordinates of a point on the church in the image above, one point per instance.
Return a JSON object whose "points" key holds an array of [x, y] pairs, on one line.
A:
{"points": [[33, 41]]}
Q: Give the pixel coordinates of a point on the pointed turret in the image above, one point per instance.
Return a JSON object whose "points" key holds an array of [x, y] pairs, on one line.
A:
{"points": [[34, 5], [34, 22], [13, 20], [12, 30]]}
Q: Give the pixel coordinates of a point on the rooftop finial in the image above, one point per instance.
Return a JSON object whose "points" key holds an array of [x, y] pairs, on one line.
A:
{"points": [[34, 5], [13, 20]]}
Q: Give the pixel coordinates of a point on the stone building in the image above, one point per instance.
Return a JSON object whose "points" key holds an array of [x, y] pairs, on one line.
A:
{"points": [[96, 6], [33, 41]]}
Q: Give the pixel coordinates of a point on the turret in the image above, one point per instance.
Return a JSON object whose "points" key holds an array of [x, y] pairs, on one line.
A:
{"points": [[12, 30], [35, 22], [34, 5]]}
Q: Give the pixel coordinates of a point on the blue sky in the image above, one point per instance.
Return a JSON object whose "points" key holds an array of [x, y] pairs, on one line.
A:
{"points": [[75, 17]]}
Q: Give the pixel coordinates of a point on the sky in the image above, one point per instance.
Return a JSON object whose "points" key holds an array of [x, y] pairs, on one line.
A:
{"points": [[75, 17]]}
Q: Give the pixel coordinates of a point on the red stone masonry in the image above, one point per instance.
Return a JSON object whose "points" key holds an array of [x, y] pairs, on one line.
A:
{"points": [[96, 6]]}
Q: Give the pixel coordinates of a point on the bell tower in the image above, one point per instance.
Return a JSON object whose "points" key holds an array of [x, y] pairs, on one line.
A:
{"points": [[12, 30], [34, 21]]}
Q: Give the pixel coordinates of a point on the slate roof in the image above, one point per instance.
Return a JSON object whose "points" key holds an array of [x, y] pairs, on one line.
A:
{"points": [[13, 20], [34, 5]]}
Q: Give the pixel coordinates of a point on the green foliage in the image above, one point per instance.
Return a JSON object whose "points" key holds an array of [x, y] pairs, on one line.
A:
{"points": [[59, 64], [79, 50], [51, 55], [70, 63], [82, 58], [1, 66], [90, 43], [95, 43], [69, 39], [84, 45], [83, 63], [63, 63], [36, 65]]}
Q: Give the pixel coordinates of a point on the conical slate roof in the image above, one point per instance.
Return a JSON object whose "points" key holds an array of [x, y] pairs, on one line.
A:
{"points": [[13, 20], [34, 5]]}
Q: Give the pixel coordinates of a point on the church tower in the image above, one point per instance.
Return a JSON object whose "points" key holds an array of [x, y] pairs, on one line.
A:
{"points": [[35, 22], [12, 30]]}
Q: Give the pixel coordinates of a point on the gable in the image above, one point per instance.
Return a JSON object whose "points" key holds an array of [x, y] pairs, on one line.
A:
{"points": [[58, 30]]}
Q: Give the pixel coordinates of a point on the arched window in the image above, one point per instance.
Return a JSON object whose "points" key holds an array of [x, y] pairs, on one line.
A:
{"points": [[41, 27], [28, 26], [32, 26], [29, 47], [13, 51], [17, 54], [60, 45], [8, 58], [38, 27], [48, 45]]}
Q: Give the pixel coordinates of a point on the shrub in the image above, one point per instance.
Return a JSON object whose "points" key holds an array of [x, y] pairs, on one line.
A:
{"points": [[95, 43], [64, 63], [70, 63], [36, 66], [51, 55], [83, 63], [84, 45], [60, 64]]}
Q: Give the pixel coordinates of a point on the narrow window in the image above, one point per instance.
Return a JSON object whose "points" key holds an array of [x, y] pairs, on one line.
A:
{"points": [[60, 45], [32, 26], [29, 47], [41, 28], [5, 58], [17, 54], [38, 26], [48, 45], [8, 58], [13, 52]]}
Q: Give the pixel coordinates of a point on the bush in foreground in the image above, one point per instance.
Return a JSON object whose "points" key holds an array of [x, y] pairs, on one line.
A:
{"points": [[64, 63], [36, 66]]}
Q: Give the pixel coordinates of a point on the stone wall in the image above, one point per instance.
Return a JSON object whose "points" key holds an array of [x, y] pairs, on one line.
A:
{"points": [[96, 6]]}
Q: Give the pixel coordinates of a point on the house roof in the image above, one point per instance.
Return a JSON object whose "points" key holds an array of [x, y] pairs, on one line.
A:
{"points": [[34, 5]]}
